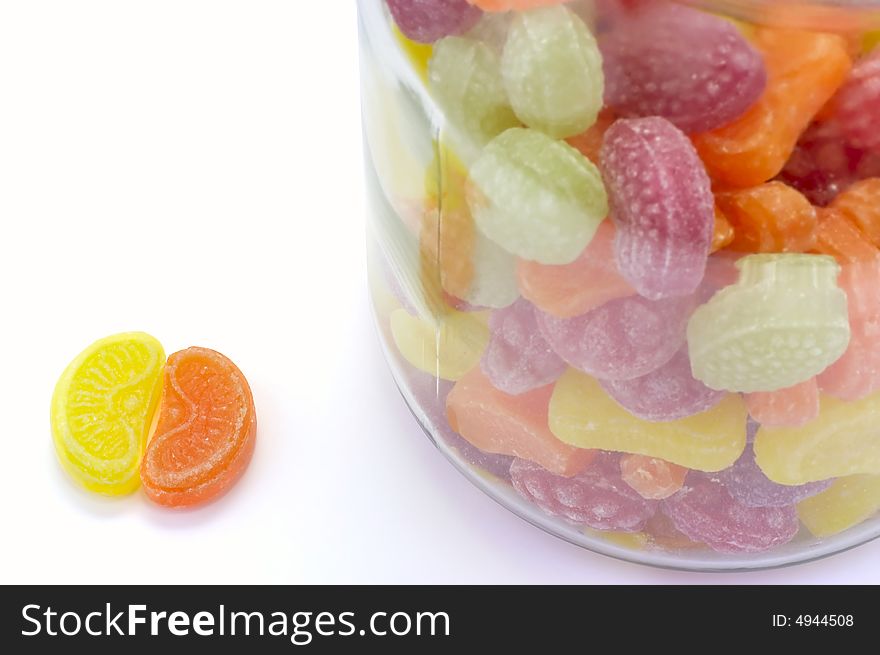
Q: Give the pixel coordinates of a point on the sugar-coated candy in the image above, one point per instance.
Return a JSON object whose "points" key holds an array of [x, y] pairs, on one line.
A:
{"points": [[518, 358], [662, 534], [205, 432], [823, 164], [846, 503], [538, 198], [650, 477], [494, 463], [553, 71], [665, 394], [692, 68], [790, 407], [860, 204], [856, 106], [661, 202], [746, 482], [623, 339], [705, 511], [771, 217], [589, 142], [465, 79], [447, 347], [569, 290], [722, 231], [783, 322], [427, 21], [804, 70], [514, 5], [841, 441], [497, 422], [492, 29], [102, 408], [596, 497], [583, 415], [839, 237]]}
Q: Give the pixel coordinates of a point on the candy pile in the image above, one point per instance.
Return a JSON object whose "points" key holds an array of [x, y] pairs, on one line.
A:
{"points": [[123, 416], [655, 237]]}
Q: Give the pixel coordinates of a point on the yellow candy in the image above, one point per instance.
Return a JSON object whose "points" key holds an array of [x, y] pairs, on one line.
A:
{"points": [[843, 440], [102, 409], [870, 41], [629, 540], [583, 415], [846, 503], [446, 349], [418, 54]]}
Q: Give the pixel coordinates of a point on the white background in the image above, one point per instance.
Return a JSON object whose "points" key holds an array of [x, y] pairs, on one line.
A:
{"points": [[192, 168]]}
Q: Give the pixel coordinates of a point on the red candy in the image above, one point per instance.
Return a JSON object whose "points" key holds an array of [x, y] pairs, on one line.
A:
{"points": [[662, 204], [597, 497], [427, 21]]}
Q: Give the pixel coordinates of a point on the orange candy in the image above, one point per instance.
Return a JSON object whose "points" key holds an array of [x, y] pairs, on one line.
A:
{"points": [[573, 289], [652, 478], [791, 407], [723, 233], [205, 433], [513, 5], [771, 217], [589, 143], [838, 237], [804, 70], [860, 204], [496, 422]]}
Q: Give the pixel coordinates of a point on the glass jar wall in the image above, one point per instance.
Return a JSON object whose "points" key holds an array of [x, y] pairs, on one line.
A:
{"points": [[625, 261]]}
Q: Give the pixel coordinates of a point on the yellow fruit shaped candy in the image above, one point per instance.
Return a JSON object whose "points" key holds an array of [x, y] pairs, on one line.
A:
{"points": [[447, 348], [846, 503], [583, 415], [102, 410]]}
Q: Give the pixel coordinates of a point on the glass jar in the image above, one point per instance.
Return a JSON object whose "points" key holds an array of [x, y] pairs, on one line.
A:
{"points": [[624, 261]]}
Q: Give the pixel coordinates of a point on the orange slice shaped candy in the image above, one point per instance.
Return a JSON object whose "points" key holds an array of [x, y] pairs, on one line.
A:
{"points": [[205, 433]]}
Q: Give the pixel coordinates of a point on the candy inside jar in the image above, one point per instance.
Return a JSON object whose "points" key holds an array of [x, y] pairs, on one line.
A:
{"points": [[625, 261]]}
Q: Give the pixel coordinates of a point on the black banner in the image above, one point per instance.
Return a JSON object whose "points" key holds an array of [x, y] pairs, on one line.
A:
{"points": [[431, 619]]}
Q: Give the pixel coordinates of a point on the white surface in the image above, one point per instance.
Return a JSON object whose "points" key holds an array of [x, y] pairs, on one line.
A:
{"points": [[193, 169]]}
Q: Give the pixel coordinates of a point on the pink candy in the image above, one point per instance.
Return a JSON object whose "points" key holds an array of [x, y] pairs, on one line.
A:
{"points": [[621, 340], [746, 482], [662, 204], [705, 511], [856, 107], [427, 21], [597, 497], [518, 358], [693, 69], [671, 392]]}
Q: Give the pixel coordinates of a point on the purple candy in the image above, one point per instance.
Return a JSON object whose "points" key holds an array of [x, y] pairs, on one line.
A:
{"points": [[669, 393], [704, 511], [596, 497], [662, 204], [518, 358], [429, 394], [692, 68], [623, 339], [746, 482], [427, 21]]}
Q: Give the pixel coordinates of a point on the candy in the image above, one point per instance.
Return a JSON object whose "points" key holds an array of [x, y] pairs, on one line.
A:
{"points": [[791, 407], [662, 205], [597, 497], [573, 289], [206, 430], [589, 143], [722, 231], [746, 482], [691, 68], [427, 21], [583, 415], [538, 198], [446, 349], [518, 358], [496, 422], [465, 80], [621, 340], [783, 322], [848, 502], [514, 5], [652, 478], [494, 463], [668, 393], [771, 217], [663, 535], [838, 237], [856, 106], [704, 511], [860, 204], [804, 70], [102, 408], [841, 441], [553, 71]]}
